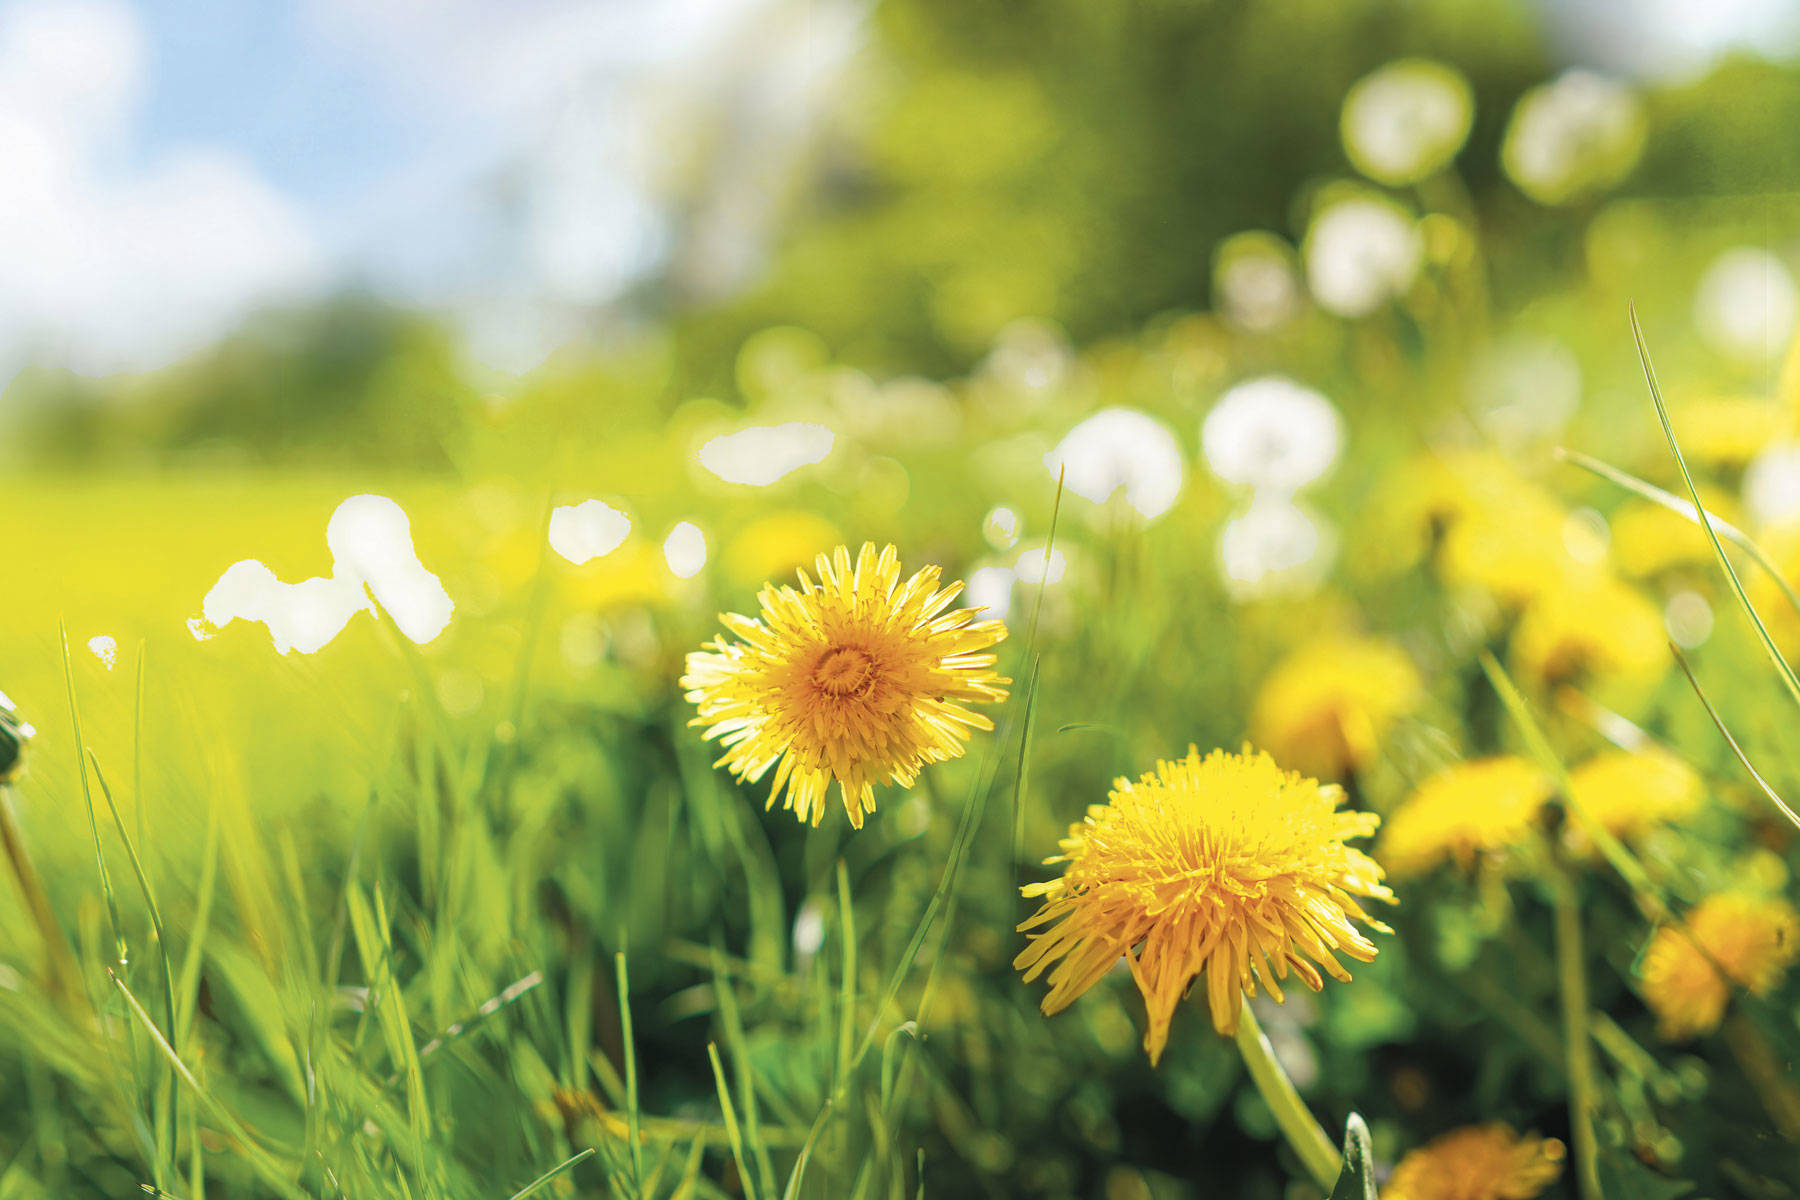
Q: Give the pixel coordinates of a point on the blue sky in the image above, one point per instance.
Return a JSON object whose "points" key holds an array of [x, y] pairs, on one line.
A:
{"points": [[319, 122], [173, 164]]}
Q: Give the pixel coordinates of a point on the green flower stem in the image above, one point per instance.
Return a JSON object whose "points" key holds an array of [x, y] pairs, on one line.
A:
{"points": [[1298, 1125], [1572, 980], [58, 959]]}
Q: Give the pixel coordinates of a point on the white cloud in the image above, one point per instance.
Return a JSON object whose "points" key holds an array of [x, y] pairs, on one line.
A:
{"points": [[549, 160], [108, 265]]}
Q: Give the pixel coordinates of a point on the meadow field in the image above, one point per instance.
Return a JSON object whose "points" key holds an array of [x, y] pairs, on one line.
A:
{"points": [[394, 808]]}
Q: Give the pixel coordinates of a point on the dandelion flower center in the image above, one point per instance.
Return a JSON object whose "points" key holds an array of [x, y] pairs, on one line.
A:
{"points": [[1224, 866], [844, 671], [857, 679]]}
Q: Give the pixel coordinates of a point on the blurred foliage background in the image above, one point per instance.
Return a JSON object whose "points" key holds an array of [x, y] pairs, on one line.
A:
{"points": [[1009, 219]]}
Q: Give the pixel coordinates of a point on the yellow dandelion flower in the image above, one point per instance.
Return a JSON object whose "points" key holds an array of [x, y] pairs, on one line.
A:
{"points": [[1481, 1162], [1648, 539], [1435, 491], [1515, 554], [1730, 938], [1630, 793], [1225, 866], [1600, 628], [859, 679], [776, 544], [1781, 541], [1324, 708], [1479, 807], [1728, 430]]}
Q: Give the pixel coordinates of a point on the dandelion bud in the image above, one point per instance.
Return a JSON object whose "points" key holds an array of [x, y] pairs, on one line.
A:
{"points": [[14, 733]]}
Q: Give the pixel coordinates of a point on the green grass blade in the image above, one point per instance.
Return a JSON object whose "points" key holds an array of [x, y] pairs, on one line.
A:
{"points": [[733, 1026], [370, 928], [1743, 759], [137, 744], [633, 1119], [846, 1038], [731, 1122], [87, 794], [192, 960], [1786, 672], [169, 1129], [974, 808], [1686, 510], [1648, 895], [254, 1152], [1018, 814], [548, 1177]]}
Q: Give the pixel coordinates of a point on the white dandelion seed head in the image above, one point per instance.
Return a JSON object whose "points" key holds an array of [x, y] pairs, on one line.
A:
{"points": [[1745, 305], [1772, 485], [1576, 135], [762, 454], [371, 543], [1274, 547], [372, 551], [1688, 618], [1406, 120], [1121, 448], [1001, 528], [1525, 387], [685, 550], [302, 616], [1030, 567], [1271, 432], [1030, 356], [989, 591], [1361, 253], [586, 531], [1255, 285], [105, 649]]}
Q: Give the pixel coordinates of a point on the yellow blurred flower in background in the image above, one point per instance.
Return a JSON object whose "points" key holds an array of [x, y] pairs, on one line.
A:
{"points": [[1648, 539], [1325, 707], [1629, 793], [1484, 806], [857, 679], [1728, 431], [1480, 1162], [776, 544], [1599, 629], [1781, 542], [1514, 553], [1435, 494], [1730, 938], [1225, 866]]}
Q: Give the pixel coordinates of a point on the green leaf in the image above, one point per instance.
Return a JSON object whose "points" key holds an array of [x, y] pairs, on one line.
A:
{"points": [[1356, 1181]]}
